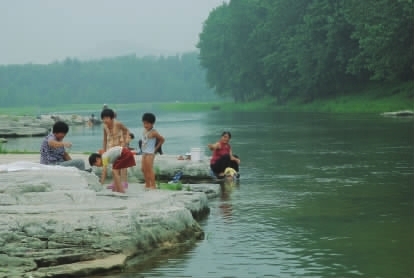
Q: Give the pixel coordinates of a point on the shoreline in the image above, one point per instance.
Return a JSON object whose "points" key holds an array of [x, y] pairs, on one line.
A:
{"points": [[70, 225], [371, 98]]}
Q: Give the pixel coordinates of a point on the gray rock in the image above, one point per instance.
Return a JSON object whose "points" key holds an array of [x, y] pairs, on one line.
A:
{"points": [[54, 222], [29, 126], [166, 166], [403, 113]]}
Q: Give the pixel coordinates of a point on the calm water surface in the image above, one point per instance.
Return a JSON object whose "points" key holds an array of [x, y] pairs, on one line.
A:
{"points": [[320, 196]]}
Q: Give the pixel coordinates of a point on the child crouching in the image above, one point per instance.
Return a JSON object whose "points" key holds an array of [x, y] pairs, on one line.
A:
{"points": [[120, 158]]}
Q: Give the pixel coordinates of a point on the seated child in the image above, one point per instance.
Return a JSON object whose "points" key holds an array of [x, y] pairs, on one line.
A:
{"points": [[120, 158]]}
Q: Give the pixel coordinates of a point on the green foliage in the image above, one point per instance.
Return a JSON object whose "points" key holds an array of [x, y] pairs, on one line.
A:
{"points": [[4, 150], [127, 79], [168, 186], [305, 49]]}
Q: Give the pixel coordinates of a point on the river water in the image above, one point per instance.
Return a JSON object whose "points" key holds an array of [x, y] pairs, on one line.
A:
{"points": [[321, 195]]}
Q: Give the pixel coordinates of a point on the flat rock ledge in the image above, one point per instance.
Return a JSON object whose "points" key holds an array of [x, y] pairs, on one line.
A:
{"points": [[402, 113], [30, 126], [59, 222], [166, 166]]}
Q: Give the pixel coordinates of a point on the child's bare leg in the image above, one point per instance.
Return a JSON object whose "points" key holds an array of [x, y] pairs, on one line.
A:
{"points": [[124, 175], [150, 171], [147, 161], [117, 181], [144, 170], [152, 179]]}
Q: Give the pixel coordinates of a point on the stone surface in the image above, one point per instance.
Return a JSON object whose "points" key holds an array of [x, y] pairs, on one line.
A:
{"points": [[165, 165], [57, 221], [26, 126], [23, 126], [403, 113]]}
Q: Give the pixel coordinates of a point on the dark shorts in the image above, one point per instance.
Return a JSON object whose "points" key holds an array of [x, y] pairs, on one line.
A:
{"points": [[126, 160]]}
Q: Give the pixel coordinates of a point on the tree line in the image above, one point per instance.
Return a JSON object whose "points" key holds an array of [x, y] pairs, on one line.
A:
{"points": [[305, 49], [112, 80]]}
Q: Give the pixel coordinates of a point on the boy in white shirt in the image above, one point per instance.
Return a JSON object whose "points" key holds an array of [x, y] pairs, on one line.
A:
{"points": [[120, 158]]}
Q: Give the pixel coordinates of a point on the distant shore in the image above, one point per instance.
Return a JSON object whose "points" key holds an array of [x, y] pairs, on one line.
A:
{"points": [[371, 99]]}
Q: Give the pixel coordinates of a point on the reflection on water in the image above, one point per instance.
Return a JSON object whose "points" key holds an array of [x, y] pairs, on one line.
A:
{"points": [[320, 196]]}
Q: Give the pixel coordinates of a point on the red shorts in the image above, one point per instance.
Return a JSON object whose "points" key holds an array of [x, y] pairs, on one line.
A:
{"points": [[126, 160]]}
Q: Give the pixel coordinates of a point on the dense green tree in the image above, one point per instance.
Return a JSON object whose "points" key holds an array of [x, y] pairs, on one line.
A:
{"points": [[111, 80], [305, 48], [384, 30]]}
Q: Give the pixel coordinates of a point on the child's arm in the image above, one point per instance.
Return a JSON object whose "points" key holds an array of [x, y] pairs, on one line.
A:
{"points": [[159, 139], [104, 140], [103, 175], [58, 144], [66, 156]]}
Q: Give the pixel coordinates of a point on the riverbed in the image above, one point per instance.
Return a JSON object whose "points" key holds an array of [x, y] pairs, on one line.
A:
{"points": [[321, 195]]}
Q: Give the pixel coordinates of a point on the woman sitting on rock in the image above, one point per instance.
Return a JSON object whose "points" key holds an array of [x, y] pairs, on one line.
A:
{"points": [[223, 156]]}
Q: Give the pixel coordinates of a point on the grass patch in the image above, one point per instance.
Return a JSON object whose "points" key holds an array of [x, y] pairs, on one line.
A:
{"points": [[4, 150], [373, 98]]}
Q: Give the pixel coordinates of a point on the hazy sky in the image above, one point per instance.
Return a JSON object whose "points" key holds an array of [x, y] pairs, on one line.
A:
{"points": [[41, 31]]}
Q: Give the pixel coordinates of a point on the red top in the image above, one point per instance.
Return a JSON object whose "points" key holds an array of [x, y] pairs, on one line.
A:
{"points": [[217, 153]]}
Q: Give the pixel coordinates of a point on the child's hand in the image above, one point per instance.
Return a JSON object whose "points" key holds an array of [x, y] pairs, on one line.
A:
{"points": [[67, 144]]}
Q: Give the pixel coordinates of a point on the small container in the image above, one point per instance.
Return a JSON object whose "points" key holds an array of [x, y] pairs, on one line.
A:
{"points": [[196, 154]]}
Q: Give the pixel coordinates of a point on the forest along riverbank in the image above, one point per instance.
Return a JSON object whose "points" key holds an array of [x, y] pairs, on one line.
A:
{"points": [[64, 223]]}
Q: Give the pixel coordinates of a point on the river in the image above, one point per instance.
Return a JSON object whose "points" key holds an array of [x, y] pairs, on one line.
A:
{"points": [[321, 195]]}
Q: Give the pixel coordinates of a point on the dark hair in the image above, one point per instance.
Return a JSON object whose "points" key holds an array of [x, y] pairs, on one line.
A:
{"points": [[107, 113], [131, 135], [93, 158], [60, 127], [148, 117], [226, 133]]}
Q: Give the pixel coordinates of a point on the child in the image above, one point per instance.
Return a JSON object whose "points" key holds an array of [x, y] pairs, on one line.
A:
{"points": [[115, 134], [156, 143], [151, 143], [120, 158], [53, 152], [131, 137]]}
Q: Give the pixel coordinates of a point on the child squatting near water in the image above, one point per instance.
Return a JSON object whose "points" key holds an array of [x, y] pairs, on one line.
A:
{"points": [[120, 158]]}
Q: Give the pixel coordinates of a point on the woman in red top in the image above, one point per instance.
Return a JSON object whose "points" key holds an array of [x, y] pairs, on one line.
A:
{"points": [[223, 156]]}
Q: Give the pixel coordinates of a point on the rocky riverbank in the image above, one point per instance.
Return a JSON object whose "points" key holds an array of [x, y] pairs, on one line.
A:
{"points": [[30, 126], [59, 222], [402, 113], [166, 166]]}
